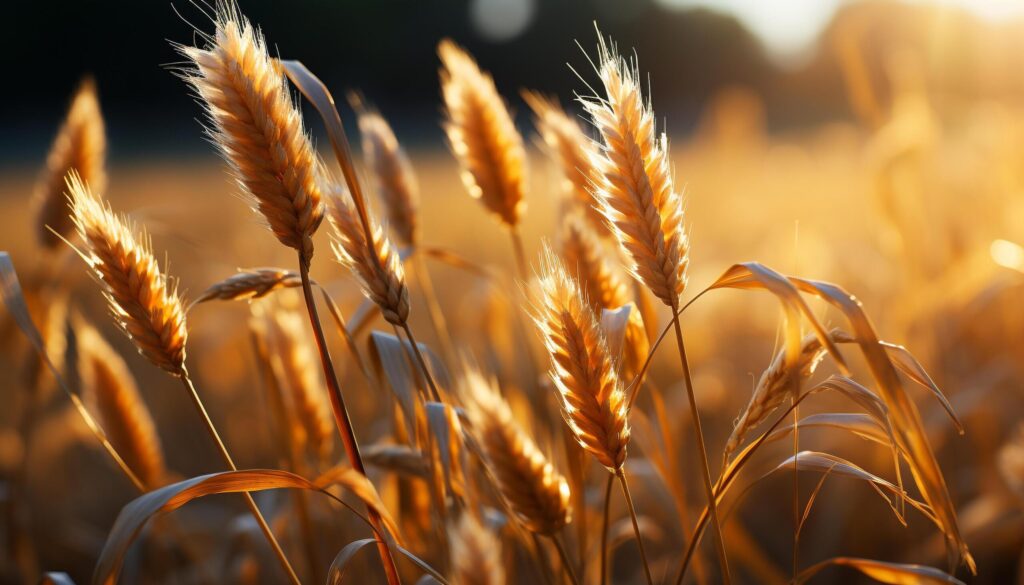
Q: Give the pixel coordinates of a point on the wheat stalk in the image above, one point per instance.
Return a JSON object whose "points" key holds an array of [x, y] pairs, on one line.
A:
{"points": [[141, 298], [80, 145], [575, 153], [476, 554], [108, 386], [529, 483], [777, 383], [482, 135], [257, 128], [593, 403], [396, 183], [377, 266], [250, 284], [634, 184]]}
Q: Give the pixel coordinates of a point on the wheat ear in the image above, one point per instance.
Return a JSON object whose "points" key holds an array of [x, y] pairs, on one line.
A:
{"points": [[287, 338], [476, 554], [377, 266], [634, 185], [575, 153], [529, 483], [250, 284], [109, 388], [593, 403], [141, 298], [258, 129], [395, 180], [482, 135], [777, 383], [80, 145]]}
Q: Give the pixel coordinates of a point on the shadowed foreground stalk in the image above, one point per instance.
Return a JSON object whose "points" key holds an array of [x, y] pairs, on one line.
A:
{"points": [[348, 437], [226, 456], [621, 475]]}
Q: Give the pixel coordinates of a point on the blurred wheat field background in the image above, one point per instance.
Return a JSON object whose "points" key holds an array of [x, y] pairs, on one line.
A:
{"points": [[500, 460]]}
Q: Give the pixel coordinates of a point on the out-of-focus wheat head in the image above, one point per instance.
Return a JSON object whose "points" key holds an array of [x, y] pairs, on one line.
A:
{"points": [[80, 145], [777, 383], [634, 186], [575, 153], [482, 135], [258, 129], [110, 390], [251, 284], [395, 180], [476, 554], [142, 300], [299, 374], [591, 394], [1011, 462], [378, 267], [533, 489]]}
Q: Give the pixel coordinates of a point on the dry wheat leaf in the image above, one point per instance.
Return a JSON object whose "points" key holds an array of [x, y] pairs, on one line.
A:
{"points": [[863, 425], [136, 513], [53, 578], [336, 573], [891, 573], [362, 488], [906, 420], [752, 275], [614, 322]]}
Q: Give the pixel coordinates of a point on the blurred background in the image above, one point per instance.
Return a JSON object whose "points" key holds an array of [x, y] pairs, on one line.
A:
{"points": [[876, 144]]}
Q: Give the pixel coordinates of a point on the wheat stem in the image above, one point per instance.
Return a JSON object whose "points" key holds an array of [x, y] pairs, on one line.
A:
{"points": [[712, 504], [226, 456], [520, 254], [564, 555], [620, 473], [341, 417], [437, 320], [604, 528], [796, 490], [422, 363]]}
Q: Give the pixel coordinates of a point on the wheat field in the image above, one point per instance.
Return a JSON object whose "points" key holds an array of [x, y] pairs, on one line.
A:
{"points": [[558, 348]]}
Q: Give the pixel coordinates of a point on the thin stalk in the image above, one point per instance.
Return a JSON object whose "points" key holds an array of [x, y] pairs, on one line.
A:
{"points": [[226, 456], [520, 254], [348, 437], [621, 474], [604, 528], [723, 484], [796, 490], [434, 394], [542, 559], [712, 504], [437, 320], [565, 559]]}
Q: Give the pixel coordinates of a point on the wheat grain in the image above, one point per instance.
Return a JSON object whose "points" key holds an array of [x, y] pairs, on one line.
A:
{"points": [[634, 186], [529, 483], [377, 267], [482, 135], [258, 129], [395, 179], [80, 145], [109, 388], [582, 370], [141, 298], [250, 284]]}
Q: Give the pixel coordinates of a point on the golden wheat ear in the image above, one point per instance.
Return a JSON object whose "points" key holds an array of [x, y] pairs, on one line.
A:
{"points": [[634, 185], [476, 555], [593, 403], [482, 135], [535, 492], [395, 180], [376, 264], [109, 388], [141, 298], [80, 145], [258, 129]]}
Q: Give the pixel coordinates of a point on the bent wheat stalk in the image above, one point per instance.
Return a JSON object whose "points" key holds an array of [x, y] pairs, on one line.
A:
{"points": [[146, 308], [637, 196], [259, 131]]}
